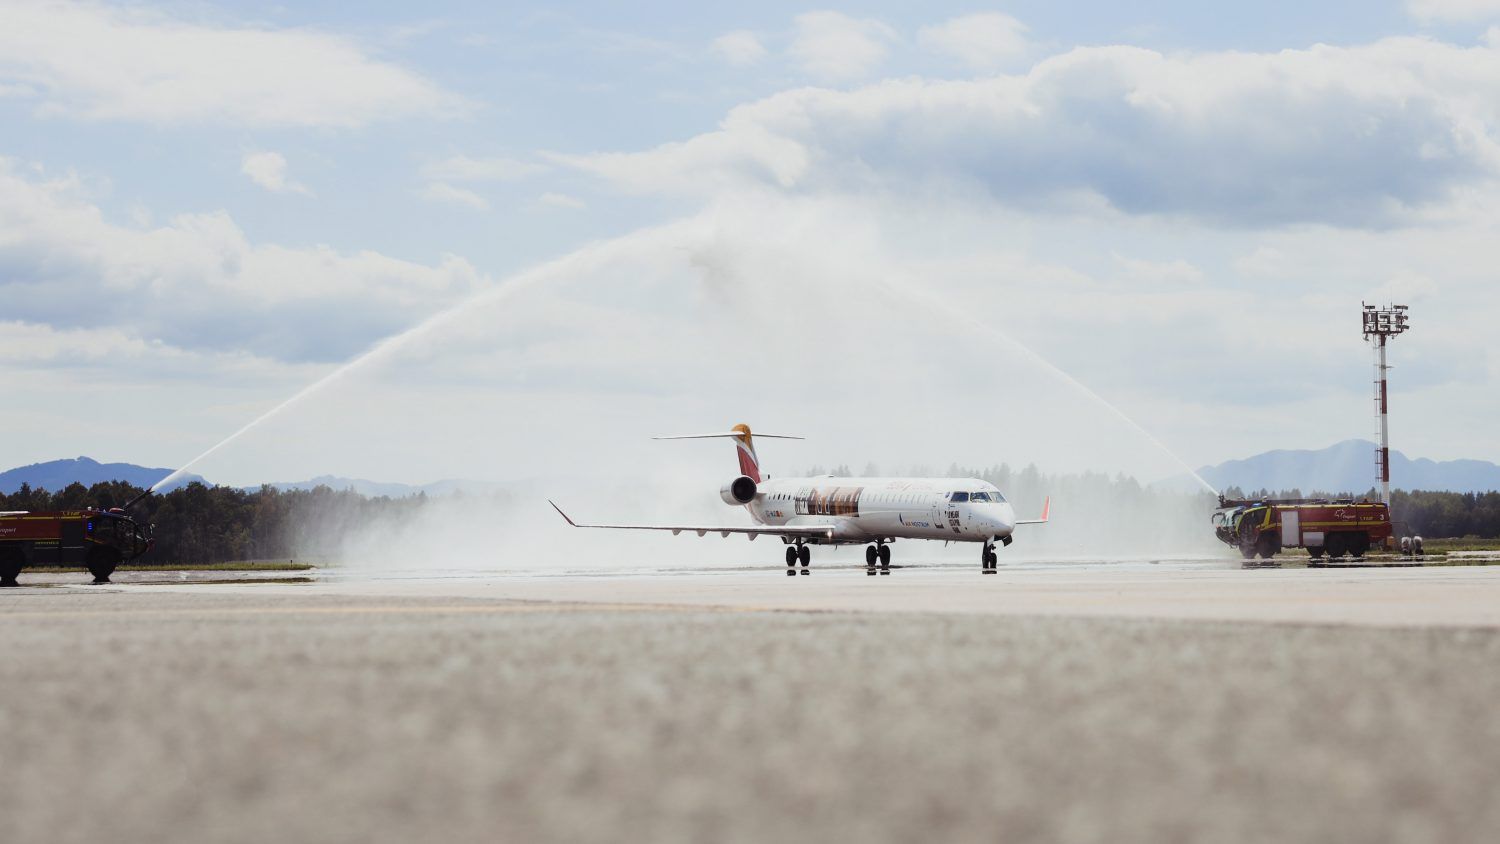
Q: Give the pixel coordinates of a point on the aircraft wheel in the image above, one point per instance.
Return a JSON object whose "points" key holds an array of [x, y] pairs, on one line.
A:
{"points": [[791, 560], [871, 555], [884, 553], [804, 555]]}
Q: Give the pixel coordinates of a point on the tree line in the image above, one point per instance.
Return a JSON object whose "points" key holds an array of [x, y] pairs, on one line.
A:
{"points": [[198, 524]]}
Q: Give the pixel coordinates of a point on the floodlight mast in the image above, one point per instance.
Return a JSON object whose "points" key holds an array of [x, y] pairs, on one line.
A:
{"points": [[1381, 324]]}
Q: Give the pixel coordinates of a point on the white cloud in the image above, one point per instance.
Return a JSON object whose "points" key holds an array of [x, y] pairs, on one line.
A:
{"points": [[268, 169], [198, 283], [1361, 135], [1158, 272], [98, 62], [739, 48], [561, 200], [444, 192], [835, 47], [986, 41], [1454, 10], [463, 168]]}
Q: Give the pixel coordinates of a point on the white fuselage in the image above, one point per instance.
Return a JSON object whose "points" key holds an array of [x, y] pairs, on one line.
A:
{"points": [[873, 509]]}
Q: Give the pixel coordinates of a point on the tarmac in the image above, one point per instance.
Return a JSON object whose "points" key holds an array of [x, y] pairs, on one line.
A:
{"points": [[1085, 702]]}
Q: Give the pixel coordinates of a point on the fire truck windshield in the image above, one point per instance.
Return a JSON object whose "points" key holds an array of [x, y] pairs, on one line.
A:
{"points": [[119, 532]]}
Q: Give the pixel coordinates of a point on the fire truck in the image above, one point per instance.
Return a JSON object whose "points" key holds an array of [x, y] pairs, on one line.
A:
{"points": [[1332, 527], [96, 539]]}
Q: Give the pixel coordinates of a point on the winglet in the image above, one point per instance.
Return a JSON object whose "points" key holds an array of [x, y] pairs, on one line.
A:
{"points": [[561, 513], [1046, 514]]}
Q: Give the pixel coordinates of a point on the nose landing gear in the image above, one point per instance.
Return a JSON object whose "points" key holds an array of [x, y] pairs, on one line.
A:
{"points": [[989, 561]]}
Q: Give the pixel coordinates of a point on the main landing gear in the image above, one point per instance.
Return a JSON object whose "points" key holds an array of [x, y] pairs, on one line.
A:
{"points": [[878, 553], [795, 554], [989, 561]]}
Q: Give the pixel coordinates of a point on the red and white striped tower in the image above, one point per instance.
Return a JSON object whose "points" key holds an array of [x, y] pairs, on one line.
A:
{"points": [[1381, 324]]}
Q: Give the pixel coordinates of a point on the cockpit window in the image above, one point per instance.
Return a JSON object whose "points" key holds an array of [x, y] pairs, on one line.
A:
{"points": [[959, 497], [979, 496]]}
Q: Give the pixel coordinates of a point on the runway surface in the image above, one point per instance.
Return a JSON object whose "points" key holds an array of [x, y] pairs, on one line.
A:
{"points": [[1084, 702]]}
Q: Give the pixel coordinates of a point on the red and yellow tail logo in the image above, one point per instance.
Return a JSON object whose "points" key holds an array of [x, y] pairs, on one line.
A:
{"points": [[749, 464]]}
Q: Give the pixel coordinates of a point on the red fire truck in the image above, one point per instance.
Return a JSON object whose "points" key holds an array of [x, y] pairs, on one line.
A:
{"points": [[96, 539], [1321, 526]]}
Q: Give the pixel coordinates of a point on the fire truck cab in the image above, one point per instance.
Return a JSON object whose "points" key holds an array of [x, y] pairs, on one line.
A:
{"points": [[99, 540], [1332, 527]]}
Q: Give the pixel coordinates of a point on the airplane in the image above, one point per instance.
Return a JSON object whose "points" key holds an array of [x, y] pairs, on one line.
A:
{"points": [[826, 510]]}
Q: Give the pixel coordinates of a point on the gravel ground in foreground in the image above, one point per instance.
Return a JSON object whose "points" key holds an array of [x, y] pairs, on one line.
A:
{"points": [[138, 716]]}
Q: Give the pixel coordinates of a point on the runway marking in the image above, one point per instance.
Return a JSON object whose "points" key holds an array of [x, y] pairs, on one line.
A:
{"points": [[444, 609]]}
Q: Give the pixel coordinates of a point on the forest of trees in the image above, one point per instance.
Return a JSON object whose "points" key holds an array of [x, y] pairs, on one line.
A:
{"points": [[200, 524], [210, 524]]}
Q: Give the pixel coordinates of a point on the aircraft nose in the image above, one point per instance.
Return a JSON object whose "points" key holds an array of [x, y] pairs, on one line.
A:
{"points": [[1005, 525]]}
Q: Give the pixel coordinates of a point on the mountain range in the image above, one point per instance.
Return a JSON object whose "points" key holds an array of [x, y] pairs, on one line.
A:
{"points": [[54, 475], [1348, 466]]}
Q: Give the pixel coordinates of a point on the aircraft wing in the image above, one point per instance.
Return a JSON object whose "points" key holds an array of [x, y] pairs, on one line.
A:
{"points": [[1046, 510], [824, 531]]}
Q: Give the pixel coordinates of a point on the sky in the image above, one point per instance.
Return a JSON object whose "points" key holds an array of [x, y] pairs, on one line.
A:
{"points": [[954, 234]]}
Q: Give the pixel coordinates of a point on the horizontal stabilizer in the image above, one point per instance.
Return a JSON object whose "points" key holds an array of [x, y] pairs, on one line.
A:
{"points": [[727, 434]]}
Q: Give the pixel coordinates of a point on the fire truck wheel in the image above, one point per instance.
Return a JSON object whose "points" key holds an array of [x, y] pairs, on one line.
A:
{"points": [[1267, 546], [11, 563], [1247, 551], [1315, 553], [1334, 545], [1358, 545], [101, 565]]}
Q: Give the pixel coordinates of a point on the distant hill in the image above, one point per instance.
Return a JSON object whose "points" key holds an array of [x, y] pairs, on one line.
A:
{"points": [[55, 475], [1349, 466], [376, 489]]}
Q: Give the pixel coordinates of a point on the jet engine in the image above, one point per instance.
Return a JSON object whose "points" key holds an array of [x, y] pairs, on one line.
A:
{"points": [[741, 490]]}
